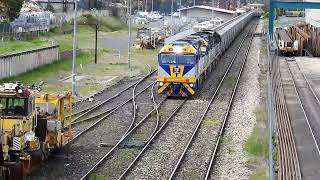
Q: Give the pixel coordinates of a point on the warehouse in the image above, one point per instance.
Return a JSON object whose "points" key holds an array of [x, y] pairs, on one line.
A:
{"points": [[205, 12]]}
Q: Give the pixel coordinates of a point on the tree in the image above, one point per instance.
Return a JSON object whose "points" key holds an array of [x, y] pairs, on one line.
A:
{"points": [[10, 9]]}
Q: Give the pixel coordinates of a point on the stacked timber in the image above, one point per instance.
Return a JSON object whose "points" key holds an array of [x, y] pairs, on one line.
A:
{"points": [[308, 37]]}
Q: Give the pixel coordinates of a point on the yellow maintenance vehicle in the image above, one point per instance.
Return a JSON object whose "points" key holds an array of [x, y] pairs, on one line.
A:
{"points": [[31, 125]]}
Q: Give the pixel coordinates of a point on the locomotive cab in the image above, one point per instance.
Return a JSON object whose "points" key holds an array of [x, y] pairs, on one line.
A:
{"points": [[176, 72]]}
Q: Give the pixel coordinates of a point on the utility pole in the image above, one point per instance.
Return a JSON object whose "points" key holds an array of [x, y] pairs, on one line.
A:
{"points": [[171, 11], [152, 5], [96, 46], [129, 41], [194, 2], [212, 16], [74, 49], [146, 5]]}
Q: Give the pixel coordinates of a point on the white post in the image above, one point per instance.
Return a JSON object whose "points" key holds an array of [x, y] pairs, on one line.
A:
{"points": [[129, 40], [171, 11], [146, 5], [74, 49], [152, 5], [212, 15]]}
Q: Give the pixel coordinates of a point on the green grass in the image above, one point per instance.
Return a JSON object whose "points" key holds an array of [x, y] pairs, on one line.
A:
{"points": [[57, 69], [97, 177], [260, 174], [91, 88], [121, 159], [230, 81], [211, 122], [227, 142], [257, 144], [9, 47], [108, 26], [96, 75]]}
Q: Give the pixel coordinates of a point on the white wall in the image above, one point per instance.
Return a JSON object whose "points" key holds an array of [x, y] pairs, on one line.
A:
{"points": [[313, 15], [203, 13], [14, 64]]}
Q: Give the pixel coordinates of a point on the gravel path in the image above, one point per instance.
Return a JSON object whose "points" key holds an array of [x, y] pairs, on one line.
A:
{"points": [[231, 159]]}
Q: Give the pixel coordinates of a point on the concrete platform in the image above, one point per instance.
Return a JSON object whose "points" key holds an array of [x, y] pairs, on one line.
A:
{"points": [[311, 69], [308, 154]]}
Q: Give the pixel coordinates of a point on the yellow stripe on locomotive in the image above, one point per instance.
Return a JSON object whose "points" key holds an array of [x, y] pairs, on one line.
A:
{"points": [[176, 72]]}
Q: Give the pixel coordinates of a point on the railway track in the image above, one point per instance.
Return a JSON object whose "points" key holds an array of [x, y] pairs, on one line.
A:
{"points": [[308, 99], [201, 147], [156, 160], [136, 138], [83, 125], [93, 110], [310, 105], [84, 151]]}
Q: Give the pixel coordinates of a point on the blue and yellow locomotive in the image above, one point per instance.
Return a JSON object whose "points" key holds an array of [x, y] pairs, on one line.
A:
{"points": [[185, 63]]}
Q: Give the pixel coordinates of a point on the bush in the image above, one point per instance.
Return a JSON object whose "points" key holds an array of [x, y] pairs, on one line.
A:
{"points": [[106, 24]]}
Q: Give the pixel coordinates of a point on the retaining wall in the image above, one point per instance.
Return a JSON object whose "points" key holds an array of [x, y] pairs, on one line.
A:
{"points": [[15, 64]]}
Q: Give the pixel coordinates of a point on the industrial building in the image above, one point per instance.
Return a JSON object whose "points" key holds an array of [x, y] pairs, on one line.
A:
{"points": [[205, 12]]}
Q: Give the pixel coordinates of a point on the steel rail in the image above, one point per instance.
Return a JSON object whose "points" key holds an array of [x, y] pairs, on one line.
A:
{"points": [[157, 112], [110, 111], [228, 109], [147, 145], [126, 135], [107, 115], [287, 149], [303, 108], [207, 109], [310, 87], [92, 108]]}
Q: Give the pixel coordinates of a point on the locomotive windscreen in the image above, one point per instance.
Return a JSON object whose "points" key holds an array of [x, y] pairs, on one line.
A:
{"points": [[167, 59], [177, 59]]}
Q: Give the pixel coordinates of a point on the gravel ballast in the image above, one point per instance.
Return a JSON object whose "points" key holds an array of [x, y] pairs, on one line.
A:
{"points": [[232, 158]]}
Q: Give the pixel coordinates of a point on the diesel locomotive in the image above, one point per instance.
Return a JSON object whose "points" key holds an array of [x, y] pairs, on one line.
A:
{"points": [[185, 63]]}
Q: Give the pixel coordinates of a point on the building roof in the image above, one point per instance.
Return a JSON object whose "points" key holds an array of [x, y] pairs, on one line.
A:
{"points": [[209, 8], [256, 4]]}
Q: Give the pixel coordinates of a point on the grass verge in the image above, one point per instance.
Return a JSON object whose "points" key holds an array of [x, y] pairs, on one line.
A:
{"points": [[94, 77], [108, 26], [257, 144], [15, 46]]}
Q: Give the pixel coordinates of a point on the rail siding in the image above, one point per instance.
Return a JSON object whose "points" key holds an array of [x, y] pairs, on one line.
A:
{"points": [[15, 64]]}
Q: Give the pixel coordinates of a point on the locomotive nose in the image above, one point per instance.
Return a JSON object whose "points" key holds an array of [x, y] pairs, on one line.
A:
{"points": [[176, 87]]}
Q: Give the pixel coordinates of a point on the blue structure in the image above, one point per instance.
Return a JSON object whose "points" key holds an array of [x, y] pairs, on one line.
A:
{"points": [[288, 5]]}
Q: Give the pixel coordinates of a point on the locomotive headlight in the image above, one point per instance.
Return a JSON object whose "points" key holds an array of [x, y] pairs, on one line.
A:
{"points": [[192, 85], [29, 136], [178, 49], [161, 84]]}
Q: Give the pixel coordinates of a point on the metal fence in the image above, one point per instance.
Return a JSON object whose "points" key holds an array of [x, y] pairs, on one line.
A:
{"points": [[15, 64], [280, 132]]}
